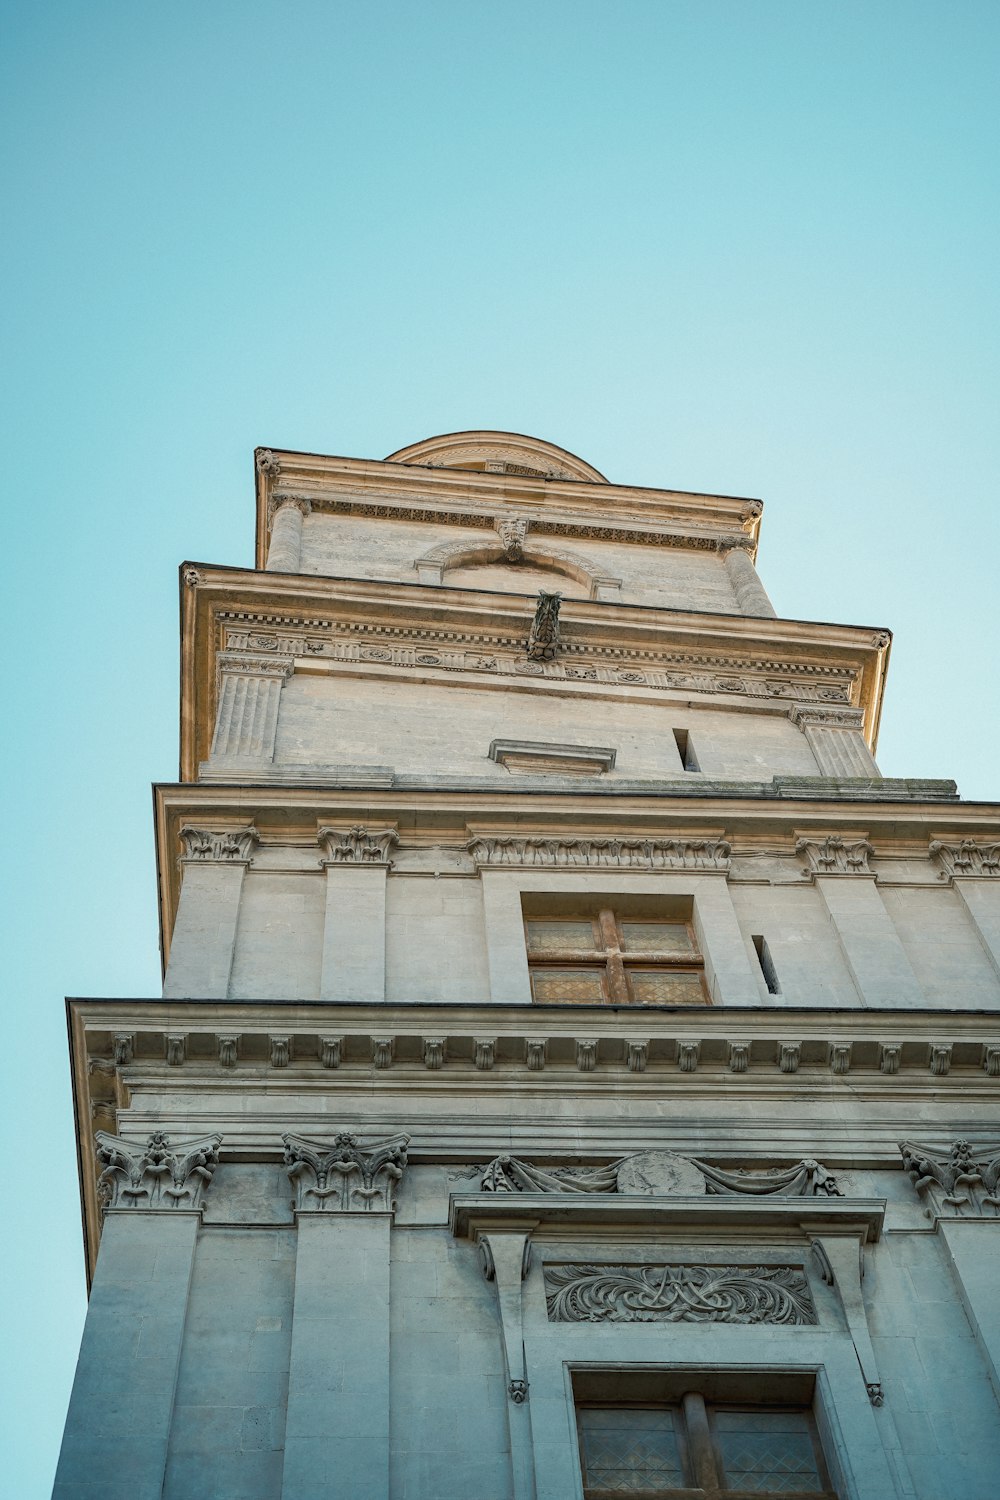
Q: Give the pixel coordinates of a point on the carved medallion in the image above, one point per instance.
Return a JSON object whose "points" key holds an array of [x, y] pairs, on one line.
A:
{"points": [[660, 1172]]}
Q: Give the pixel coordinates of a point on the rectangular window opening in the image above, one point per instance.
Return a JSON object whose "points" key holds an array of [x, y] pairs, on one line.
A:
{"points": [[614, 951], [685, 749], [688, 1436], [766, 962]]}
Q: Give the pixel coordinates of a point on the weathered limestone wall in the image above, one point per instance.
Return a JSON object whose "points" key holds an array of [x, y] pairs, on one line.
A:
{"points": [[669, 577], [434, 729], [225, 1306], [433, 929]]}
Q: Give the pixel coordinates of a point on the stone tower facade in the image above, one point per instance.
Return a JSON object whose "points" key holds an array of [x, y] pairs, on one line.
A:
{"points": [[578, 1069]]}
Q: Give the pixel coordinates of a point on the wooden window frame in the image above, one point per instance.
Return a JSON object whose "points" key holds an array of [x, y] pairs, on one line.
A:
{"points": [[612, 957], [700, 1452]]}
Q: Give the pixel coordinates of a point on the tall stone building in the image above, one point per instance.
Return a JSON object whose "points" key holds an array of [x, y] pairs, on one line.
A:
{"points": [[577, 1070]]}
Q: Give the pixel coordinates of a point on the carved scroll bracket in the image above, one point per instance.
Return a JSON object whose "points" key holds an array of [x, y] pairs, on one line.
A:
{"points": [[840, 1259], [506, 1260]]}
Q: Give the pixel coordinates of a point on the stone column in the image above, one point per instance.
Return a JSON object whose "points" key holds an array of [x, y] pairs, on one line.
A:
{"points": [[871, 945], [747, 587], [204, 937], [337, 1426], [974, 869], [118, 1426], [247, 717], [836, 739], [284, 552], [357, 864]]}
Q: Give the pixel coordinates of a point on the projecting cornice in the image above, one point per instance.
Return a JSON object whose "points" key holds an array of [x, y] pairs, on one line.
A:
{"points": [[364, 627], [415, 486]]}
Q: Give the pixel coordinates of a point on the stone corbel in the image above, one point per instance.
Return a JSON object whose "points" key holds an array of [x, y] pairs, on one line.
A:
{"points": [[840, 1259], [506, 1259]]}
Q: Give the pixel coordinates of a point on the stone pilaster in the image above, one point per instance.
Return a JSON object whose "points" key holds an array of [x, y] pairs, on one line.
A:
{"points": [[835, 737], [115, 1442], [249, 695], [214, 864], [873, 952], [337, 1426], [747, 588], [357, 862], [284, 552]]}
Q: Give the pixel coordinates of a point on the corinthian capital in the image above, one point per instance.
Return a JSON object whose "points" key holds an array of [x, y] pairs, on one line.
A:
{"points": [[157, 1175], [345, 1176], [356, 846], [213, 846]]}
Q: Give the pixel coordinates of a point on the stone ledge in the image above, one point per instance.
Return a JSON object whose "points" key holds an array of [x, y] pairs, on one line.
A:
{"points": [[472, 1214]]}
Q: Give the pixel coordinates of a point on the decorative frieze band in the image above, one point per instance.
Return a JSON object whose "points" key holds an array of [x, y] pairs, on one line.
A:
{"points": [[615, 853], [504, 656], [157, 1175], [678, 1294], [662, 1173], [965, 859], [218, 846], [345, 1176]]}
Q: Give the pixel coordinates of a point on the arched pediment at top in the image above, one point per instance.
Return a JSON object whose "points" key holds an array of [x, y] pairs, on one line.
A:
{"points": [[497, 453]]}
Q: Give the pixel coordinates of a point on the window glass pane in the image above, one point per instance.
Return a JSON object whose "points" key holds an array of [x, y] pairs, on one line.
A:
{"points": [[568, 986], [629, 1452], [666, 987], [561, 937], [768, 1452], [657, 937]]}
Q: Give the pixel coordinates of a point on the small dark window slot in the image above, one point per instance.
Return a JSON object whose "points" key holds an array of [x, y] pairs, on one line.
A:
{"points": [[685, 750], [766, 962]]}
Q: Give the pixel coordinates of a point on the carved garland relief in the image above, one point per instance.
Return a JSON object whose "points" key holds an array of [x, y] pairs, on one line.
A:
{"points": [[677, 1294]]}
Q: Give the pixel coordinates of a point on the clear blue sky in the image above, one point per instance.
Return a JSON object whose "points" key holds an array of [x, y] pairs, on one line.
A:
{"points": [[742, 247]]}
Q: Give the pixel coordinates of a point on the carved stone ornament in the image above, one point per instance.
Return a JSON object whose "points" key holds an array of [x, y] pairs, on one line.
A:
{"points": [[357, 845], [345, 1177], [963, 1182], [267, 463], [968, 858], [658, 1173], [210, 846], [819, 716], [678, 1294], [615, 853], [485, 1053], [155, 1176], [543, 637], [512, 533], [831, 856]]}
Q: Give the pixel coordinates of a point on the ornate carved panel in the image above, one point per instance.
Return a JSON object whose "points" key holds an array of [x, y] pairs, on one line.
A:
{"points": [[967, 858], [678, 1294], [613, 853]]}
